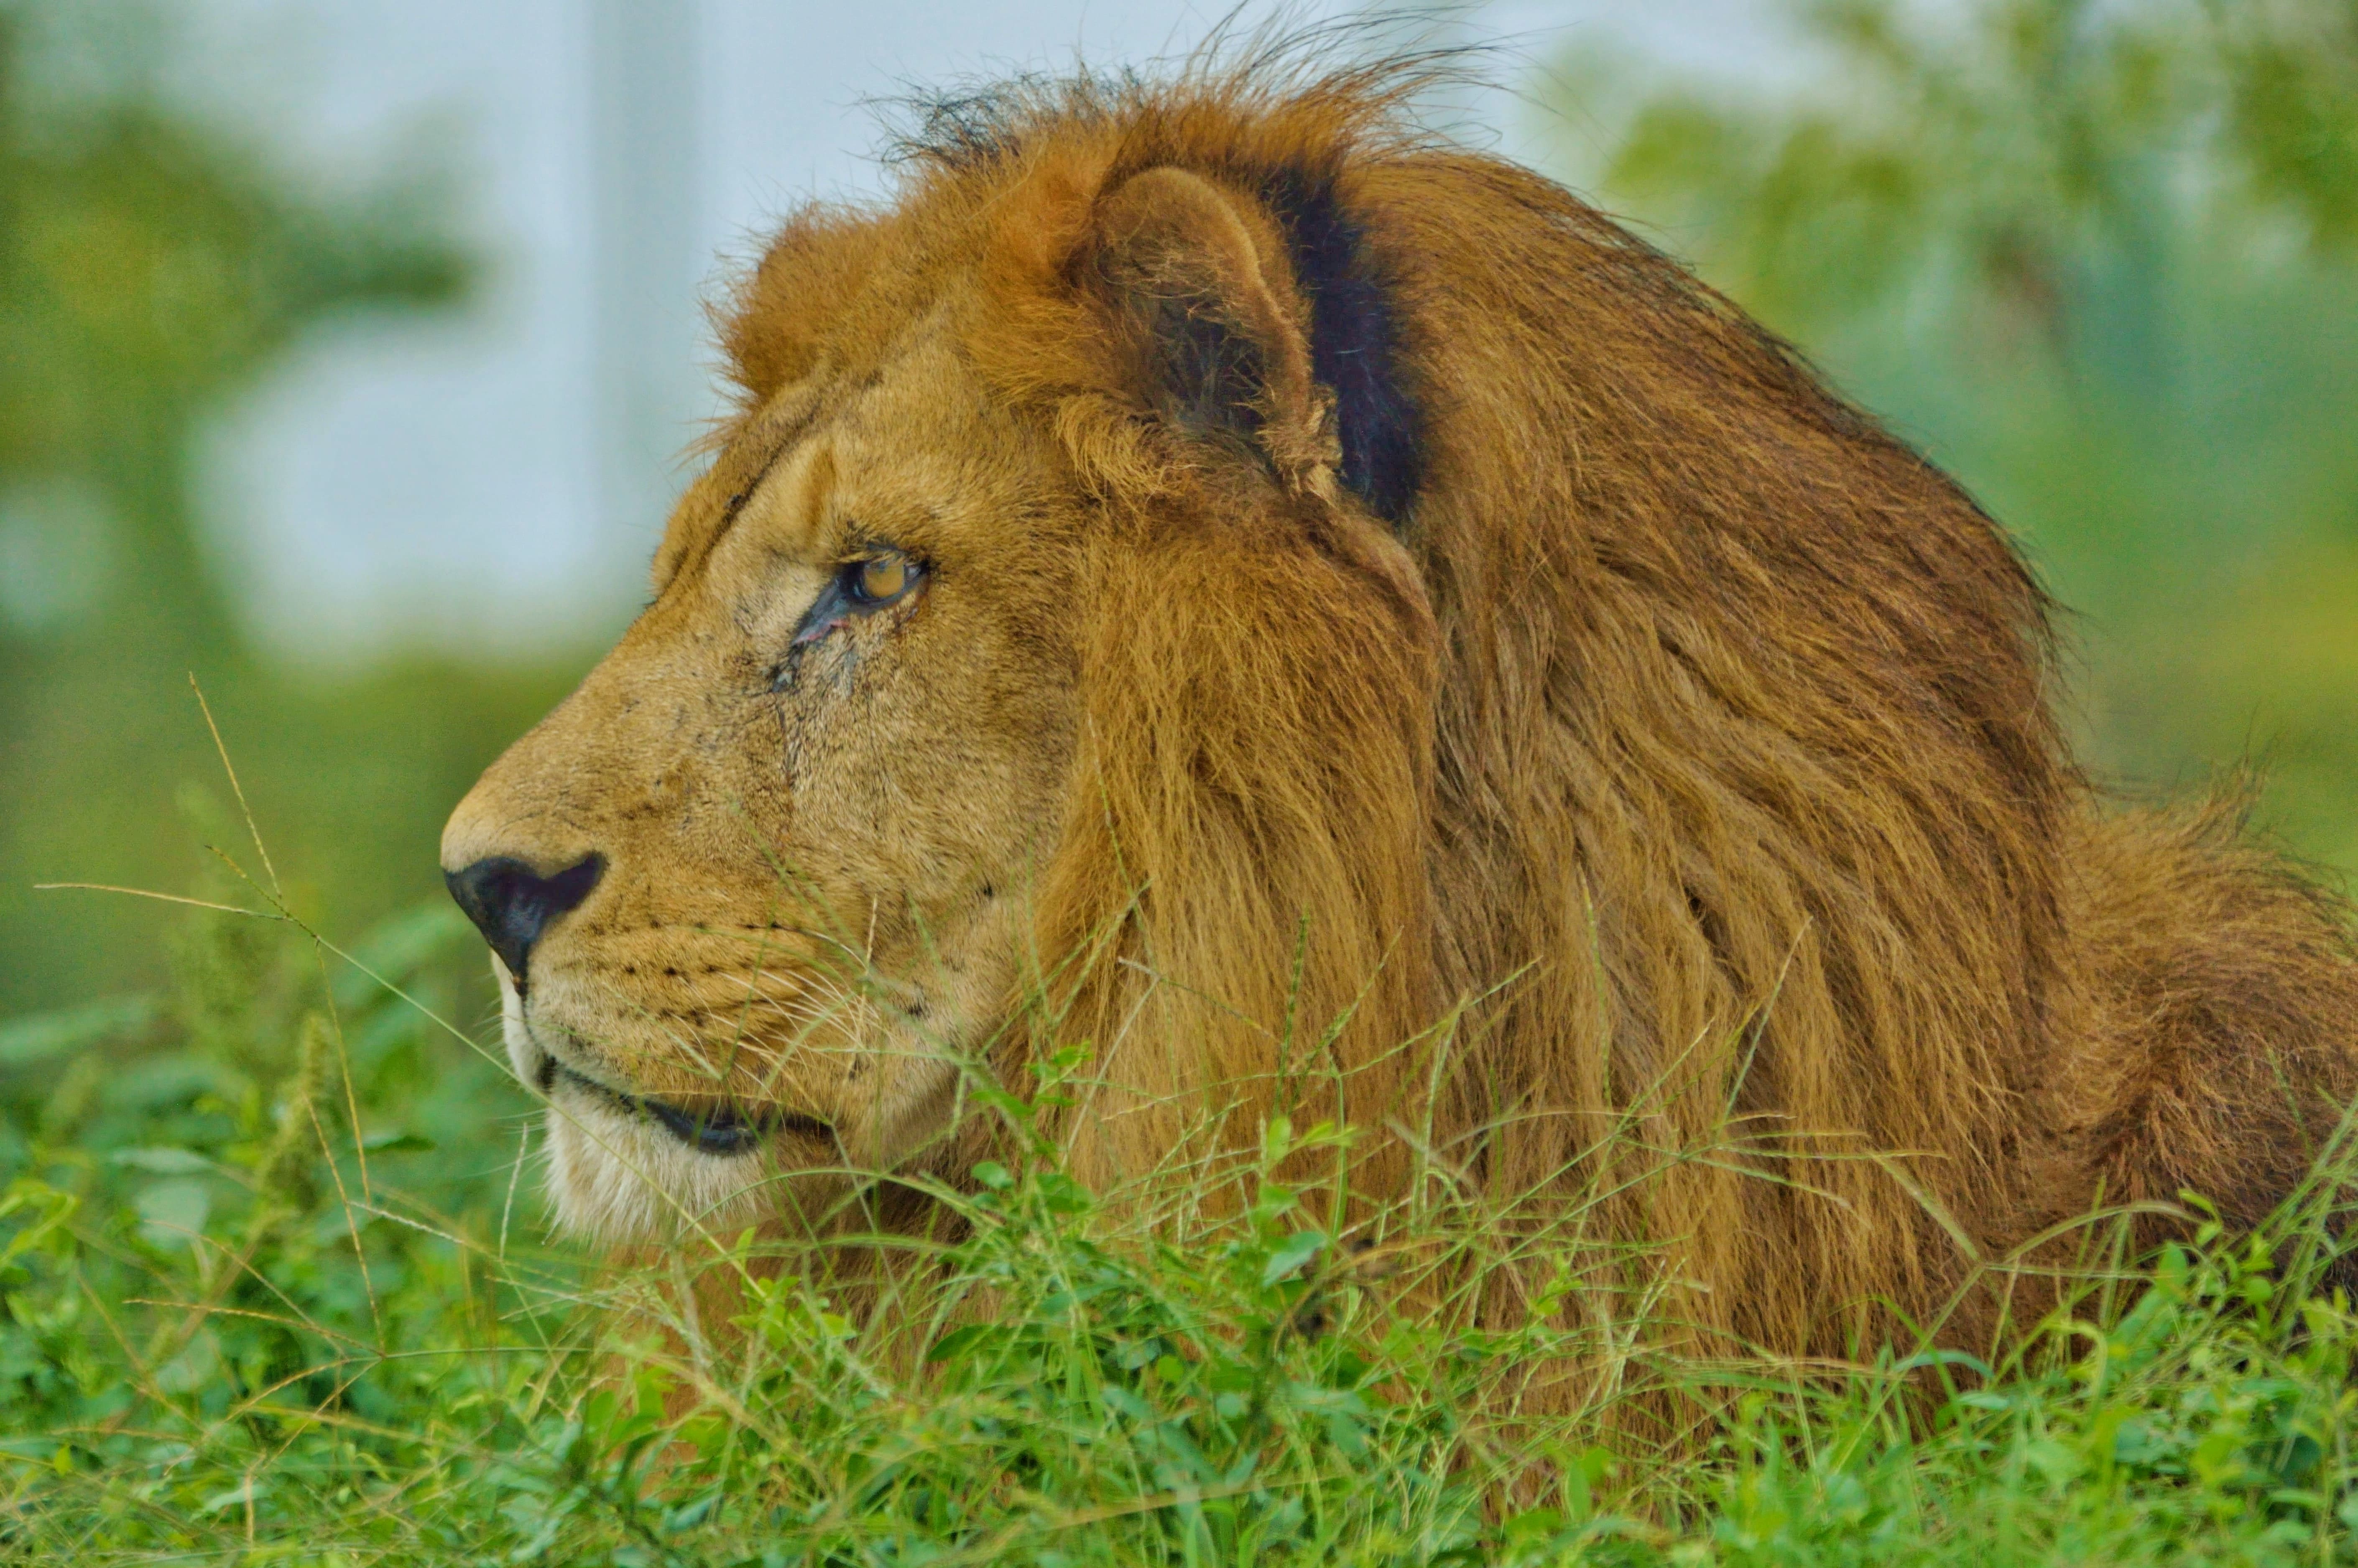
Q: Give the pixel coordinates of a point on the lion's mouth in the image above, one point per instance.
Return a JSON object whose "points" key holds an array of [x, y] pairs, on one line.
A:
{"points": [[718, 1129]]}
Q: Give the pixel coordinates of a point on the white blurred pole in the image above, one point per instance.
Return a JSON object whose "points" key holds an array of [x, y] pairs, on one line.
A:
{"points": [[647, 229]]}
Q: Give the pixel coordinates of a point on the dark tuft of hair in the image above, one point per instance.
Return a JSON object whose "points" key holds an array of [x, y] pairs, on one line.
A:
{"points": [[974, 124]]}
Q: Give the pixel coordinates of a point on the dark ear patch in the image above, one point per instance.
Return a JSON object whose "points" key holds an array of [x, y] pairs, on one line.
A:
{"points": [[1354, 343], [1220, 350], [1201, 273]]}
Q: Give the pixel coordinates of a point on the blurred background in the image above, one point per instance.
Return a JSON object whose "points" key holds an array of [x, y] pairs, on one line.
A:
{"points": [[347, 351]]}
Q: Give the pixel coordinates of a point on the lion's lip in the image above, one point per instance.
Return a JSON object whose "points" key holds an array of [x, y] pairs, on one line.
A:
{"points": [[718, 1129]]}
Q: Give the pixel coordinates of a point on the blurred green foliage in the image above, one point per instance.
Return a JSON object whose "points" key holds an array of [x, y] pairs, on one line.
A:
{"points": [[153, 267], [2101, 262]]}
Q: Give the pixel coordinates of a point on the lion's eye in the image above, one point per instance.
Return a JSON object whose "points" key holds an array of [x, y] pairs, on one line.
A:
{"points": [[861, 587], [882, 579]]}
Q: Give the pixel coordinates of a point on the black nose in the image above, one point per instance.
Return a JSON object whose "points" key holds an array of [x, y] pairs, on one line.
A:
{"points": [[512, 904]]}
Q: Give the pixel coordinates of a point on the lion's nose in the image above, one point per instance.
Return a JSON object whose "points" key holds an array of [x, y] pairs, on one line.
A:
{"points": [[512, 904]]}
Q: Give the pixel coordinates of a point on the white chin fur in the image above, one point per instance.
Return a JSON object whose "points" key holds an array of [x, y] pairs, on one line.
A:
{"points": [[616, 1178]]}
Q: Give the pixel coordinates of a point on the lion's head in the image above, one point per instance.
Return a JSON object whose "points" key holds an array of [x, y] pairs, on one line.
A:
{"points": [[1322, 618], [1041, 621]]}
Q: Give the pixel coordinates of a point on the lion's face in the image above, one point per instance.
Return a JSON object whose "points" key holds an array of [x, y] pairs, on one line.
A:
{"points": [[768, 872]]}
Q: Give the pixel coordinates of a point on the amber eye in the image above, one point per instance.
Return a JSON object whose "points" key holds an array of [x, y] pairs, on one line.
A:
{"points": [[882, 577]]}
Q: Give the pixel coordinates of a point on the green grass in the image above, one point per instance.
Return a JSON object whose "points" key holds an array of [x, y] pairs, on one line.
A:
{"points": [[278, 1288]]}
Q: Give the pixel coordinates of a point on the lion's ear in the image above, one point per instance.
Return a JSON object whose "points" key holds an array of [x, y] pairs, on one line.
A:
{"points": [[1212, 323]]}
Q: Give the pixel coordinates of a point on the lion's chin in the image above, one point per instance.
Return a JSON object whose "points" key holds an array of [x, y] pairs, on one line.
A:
{"points": [[627, 1169], [616, 1179], [620, 1173]]}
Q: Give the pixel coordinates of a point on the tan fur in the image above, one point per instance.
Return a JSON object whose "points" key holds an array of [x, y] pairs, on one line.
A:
{"points": [[1667, 824]]}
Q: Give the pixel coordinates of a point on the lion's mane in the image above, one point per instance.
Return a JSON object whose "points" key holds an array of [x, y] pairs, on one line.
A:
{"points": [[1690, 843]]}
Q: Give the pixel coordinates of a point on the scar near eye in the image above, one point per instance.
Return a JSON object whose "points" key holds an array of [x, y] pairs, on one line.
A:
{"points": [[861, 585]]}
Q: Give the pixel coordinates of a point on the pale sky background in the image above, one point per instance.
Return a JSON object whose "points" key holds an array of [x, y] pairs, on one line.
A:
{"points": [[498, 479]]}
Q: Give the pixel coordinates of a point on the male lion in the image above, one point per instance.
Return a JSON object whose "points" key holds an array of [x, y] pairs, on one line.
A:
{"points": [[1331, 621]]}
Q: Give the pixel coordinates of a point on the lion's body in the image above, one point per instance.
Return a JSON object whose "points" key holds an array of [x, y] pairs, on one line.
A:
{"points": [[1533, 719]]}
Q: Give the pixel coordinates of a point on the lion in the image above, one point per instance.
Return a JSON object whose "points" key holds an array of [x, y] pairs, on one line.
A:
{"points": [[1325, 622]]}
